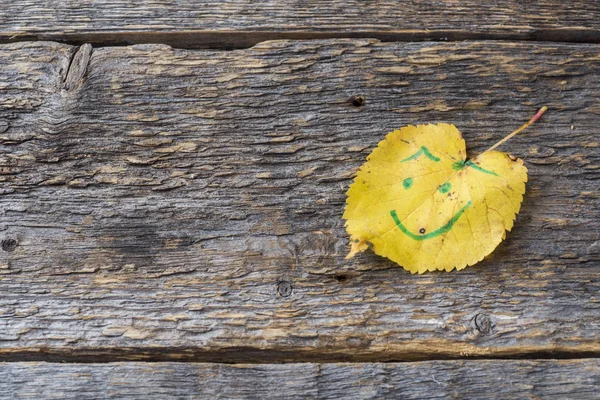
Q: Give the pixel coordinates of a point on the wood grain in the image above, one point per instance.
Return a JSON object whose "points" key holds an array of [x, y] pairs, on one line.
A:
{"points": [[549, 379], [186, 205], [242, 23]]}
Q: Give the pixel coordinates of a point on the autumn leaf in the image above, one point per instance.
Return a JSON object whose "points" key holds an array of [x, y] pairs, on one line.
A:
{"points": [[419, 201]]}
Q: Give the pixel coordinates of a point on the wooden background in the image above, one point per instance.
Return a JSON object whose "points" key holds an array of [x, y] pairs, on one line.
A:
{"points": [[173, 175]]}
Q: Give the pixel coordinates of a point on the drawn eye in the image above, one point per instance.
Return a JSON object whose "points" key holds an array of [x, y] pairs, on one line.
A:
{"points": [[445, 188], [423, 151]]}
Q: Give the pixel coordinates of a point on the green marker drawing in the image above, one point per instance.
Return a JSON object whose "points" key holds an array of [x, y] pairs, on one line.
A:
{"points": [[423, 150], [445, 188], [444, 229], [458, 165], [478, 168]]}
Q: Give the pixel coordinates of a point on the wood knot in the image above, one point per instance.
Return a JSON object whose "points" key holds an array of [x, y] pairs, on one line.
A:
{"points": [[78, 67], [284, 289], [9, 245], [4, 125], [484, 324]]}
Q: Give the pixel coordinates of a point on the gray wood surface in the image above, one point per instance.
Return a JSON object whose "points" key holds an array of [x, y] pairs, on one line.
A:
{"points": [[546, 379], [242, 23], [186, 205]]}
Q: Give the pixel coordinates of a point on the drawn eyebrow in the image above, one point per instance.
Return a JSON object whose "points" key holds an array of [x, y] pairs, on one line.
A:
{"points": [[423, 150], [458, 165]]}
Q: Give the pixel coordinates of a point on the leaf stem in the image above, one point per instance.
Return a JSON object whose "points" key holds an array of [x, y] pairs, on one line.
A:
{"points": [[531, 121]]}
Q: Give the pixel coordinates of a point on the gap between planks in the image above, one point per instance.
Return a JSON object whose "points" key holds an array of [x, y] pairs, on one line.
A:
{"points": [[230, 40], [272, 356]]}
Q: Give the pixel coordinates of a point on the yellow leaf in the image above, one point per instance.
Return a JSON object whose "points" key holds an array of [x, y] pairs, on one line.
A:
{"points": [[419, 201]]}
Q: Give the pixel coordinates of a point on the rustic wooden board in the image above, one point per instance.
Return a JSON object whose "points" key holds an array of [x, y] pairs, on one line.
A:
{"points": [[172, 204], [549, 379], [242, 23]]}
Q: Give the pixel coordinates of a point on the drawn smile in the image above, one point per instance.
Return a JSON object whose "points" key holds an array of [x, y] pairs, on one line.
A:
{"points": [[423, 236]]}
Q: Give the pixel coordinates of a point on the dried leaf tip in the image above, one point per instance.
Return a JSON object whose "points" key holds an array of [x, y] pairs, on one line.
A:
{"points": [[536, 117]]}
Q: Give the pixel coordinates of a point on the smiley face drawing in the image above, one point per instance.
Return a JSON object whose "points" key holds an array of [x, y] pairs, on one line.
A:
{"points": [[419, 201]]}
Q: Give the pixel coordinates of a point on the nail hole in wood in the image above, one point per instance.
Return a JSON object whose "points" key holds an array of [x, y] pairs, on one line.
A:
{"points": [[9, 244], [358, 101]]}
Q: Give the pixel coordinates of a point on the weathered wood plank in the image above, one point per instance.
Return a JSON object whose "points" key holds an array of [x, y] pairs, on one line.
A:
{"points": [[172, 204], [547, 379], [240, 23]]}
